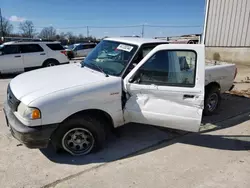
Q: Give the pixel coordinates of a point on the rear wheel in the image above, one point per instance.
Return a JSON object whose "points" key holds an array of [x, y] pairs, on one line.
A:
{"points": [[212, 100], [80, 135], [50, 63]]}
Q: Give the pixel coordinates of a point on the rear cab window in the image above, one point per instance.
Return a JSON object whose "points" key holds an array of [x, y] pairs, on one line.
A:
{"points": [[143, 51], [55, 46]]}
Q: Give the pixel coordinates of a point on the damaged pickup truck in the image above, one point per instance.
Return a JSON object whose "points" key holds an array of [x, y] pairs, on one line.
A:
{"points": [[122, 80]]}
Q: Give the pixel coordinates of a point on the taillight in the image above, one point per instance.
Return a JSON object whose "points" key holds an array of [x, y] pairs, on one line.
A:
{"points": [[64, 52], [236, 71]]}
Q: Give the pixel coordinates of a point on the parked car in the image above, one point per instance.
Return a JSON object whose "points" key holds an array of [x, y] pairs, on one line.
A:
{"points": [[122, 80], [82, 49], [21, 56]]}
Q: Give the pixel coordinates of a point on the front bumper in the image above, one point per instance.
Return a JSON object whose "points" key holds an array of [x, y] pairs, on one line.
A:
{"points": [[32, 137]]}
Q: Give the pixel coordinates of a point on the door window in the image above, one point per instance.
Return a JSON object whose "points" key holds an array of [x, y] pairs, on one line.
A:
{"points": [[168, 68], [31, 48], [11, 49]]}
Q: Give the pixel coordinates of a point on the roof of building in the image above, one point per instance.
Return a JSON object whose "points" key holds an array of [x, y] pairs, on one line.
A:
{"points": [[136, 41]]}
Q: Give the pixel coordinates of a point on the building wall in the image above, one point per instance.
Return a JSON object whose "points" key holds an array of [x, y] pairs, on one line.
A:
{"points": [[228, 23], [232, 55]]}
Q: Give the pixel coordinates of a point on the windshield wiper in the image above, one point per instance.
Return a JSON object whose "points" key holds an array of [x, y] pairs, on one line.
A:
{"points": [[100, 69]]}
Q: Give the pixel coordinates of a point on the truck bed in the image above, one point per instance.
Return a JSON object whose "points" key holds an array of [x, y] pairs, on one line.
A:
{"points": [[220, 72], [209, 63]]}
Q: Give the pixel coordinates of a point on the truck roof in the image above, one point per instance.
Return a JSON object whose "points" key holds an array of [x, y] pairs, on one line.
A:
{"points": [[136, 41]]}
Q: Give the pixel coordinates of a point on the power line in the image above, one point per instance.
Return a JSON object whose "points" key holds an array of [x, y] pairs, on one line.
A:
{"points": [[174, 26], [126, 26], [84, 27]]}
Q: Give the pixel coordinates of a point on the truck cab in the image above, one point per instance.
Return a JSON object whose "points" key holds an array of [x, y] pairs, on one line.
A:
{"points": [[122, 80]]}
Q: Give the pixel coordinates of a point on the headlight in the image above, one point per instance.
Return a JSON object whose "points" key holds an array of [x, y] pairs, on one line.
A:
{"points": [[28, 112]]}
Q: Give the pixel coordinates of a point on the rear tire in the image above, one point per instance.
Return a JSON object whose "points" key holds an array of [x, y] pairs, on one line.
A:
{"points": [[80, 135], [50, 63], [212, 100]]}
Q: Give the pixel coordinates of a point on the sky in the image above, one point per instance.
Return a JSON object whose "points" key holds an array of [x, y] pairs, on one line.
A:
{"points": [[74, 16]]}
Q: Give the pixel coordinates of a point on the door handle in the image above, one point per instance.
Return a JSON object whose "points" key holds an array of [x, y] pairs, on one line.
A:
{"points": [[42, 53], [188, 96], [17, 56]]}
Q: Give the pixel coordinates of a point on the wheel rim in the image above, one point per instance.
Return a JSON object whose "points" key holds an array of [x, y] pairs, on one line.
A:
{"points": [[78, 141], [50, 64], [212, 102]]}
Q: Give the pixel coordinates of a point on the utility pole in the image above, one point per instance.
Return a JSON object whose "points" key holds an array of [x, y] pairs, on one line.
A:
{"points": [[87, 31], [1, 22], [142, 31]]}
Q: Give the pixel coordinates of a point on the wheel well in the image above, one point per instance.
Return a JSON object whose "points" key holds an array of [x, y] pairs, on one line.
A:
{"points": [[50, 59], [99, 114], [212, 85]]}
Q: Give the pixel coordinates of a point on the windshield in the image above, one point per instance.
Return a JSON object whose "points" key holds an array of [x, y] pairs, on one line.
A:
{"points": [[1, 47], [110, 56]]}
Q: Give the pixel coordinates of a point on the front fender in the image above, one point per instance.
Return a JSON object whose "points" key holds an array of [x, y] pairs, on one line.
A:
{"points": [[58, 106]]}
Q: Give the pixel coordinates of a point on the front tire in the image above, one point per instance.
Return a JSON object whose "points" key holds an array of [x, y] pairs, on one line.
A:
{"points": [[212, 100], [80, 135]]}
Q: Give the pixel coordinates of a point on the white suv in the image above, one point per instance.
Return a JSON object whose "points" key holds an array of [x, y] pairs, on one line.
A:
{"points": [[23, 56]]}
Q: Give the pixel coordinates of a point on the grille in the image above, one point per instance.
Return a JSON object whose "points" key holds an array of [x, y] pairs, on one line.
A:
{"points": [[12, 100]]}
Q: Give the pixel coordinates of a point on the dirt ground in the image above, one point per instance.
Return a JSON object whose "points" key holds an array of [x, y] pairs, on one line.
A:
{"points": [[242, 81]]}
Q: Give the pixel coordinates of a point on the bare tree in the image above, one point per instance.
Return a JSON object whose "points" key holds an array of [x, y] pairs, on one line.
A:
{"points": [[71, 37], [6, 28], [62, 35], [80, 37], [27, 29], [48, 33]]}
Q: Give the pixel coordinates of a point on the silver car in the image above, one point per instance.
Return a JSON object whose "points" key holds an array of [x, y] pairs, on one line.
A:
{"points": [[82, 49]]}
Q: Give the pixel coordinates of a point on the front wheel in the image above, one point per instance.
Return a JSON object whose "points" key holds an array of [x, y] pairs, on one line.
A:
{"points": [[212, 100], [80, 135]]}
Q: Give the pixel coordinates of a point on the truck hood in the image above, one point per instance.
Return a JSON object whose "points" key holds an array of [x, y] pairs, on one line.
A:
{"points": [[34, 84]]}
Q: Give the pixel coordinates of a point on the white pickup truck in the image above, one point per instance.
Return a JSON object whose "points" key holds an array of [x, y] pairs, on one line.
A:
{"points": [[122, 80]]}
